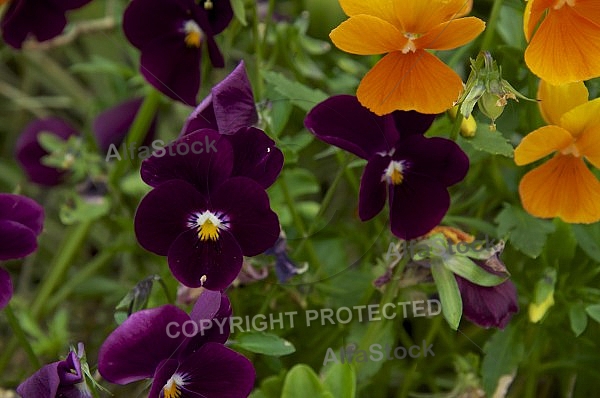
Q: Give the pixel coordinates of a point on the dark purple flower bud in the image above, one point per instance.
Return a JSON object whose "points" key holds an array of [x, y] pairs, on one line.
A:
{"points": [[29, 152], [412, 171], [57, 379], [229, 106], [21, 221], [43, 19], [488, 306], [112, 125], [285, 268], [170, 36]]}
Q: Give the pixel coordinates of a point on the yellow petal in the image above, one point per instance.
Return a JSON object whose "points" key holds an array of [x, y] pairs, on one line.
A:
{"points": [[383, 9], [565, 48], [366, 35], [582, 118], [466, 8], [542, 142], [413, 81], [451, 34], [555, 100], [532, 15], [420, 16], [562, 187]]}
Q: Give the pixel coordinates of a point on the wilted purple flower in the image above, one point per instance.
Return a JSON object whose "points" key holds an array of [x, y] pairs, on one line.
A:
{"points": [[57, 379], [205, 236], [112, 125], [170, 35], [413, 171], [229, 106], [247, 153], [21, 221], [285, 268], [488, 306], [29, 152], [44, 19], [181, 353]]}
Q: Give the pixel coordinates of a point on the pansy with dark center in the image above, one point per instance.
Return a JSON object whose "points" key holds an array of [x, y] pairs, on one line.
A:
{"points": [[413, 171], [170, 35], [43, 19], [183, 355]]}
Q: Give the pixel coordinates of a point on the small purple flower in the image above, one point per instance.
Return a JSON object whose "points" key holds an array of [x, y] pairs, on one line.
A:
{"points": [[57, 379], [413, 171], [112, 125], [29, 152], [285, 268], [205, 236], [488, 306], [44, 19], [228, 107], [170, 35], [181, 353]]}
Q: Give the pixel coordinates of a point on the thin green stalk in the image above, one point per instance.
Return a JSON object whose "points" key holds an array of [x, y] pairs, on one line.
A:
{"points": [[456, 126], [259, 90], [21, 337], [490, 29]]}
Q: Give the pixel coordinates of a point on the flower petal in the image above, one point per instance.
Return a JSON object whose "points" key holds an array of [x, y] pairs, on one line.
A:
{"points": [[366, 35], [412, 122], [16, 240], [417, 16], [582, 119], [540, 143], [191, 259], [383, 9], [532, 15], [42, 384], [413, 81], [23, 210], [6, 288], [373, 189], [565, 48], [212, 305], [556, 100], [342, 121], [134, 350], [451, 34], [562, 187]]}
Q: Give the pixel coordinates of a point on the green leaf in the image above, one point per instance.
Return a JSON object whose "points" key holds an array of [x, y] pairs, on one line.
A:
{"points": [[593, 311], [465, 267], [340, 380], [561, 245], [301, 382], [77, 210], [299, 94], [503, 352], [264, 343], [449, 293], [489, 141], [239, 11], [51, 142], [135, 300], [588, 237], [525, 232], [578, 319]]}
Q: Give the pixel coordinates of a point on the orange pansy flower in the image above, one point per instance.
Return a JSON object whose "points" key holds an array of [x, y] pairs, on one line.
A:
{"points": [[408, 77], [563, 186], [566, 46]]}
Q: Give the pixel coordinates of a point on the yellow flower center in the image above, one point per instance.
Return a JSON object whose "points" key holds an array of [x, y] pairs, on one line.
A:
{"points": [[394, 174], [173, 387], [560, 3], [571, 150], [207, 231], [208, 225], [193, 34], [410, 45]]}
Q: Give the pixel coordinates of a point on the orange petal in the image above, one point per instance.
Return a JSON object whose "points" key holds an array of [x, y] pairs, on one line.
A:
{"points": [[563, 187], [420, 16], [416, 80], [588, 145], [532, 15], [565, 48], [582, 118], [451, 34], [588, 9], [542, 142], [384, 9], [559, 99], [366, 35], [466, 8]]}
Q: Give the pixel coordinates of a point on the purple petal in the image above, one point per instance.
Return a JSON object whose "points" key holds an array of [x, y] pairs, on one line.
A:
{"points": [[342, 121], [6, 288], [417, 205], [214, 54], [163, 214], [69, 370], [16, 240], [373, 190], [412, 122], [256, 156], [136, 348], [203, 117], [29, 152], [191, 259], [23, 210], [42, 384], [204, 170], [220, 16], [112, 125], [164, 371], [252, 222], [211, 312]]}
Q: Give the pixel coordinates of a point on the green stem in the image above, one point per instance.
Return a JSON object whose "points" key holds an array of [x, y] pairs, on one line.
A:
{"points": [[456, 126], [488, 36], [259, 90], [21, 337]]}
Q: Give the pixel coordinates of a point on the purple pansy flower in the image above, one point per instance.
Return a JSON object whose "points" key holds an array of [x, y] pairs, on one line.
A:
{"points": [[111, 126], [44, 19], [413, 171], [29, 152], [170, 35], [228, 107], [183, 354], [489, 306], [21, 221], [205, 236]]}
